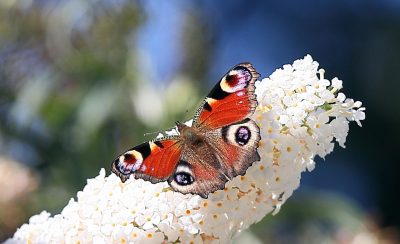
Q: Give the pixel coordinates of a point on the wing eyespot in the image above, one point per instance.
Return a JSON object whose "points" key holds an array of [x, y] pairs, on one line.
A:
{"points": [[183, 175], [121, 167], [183, 178], [242, 135]]}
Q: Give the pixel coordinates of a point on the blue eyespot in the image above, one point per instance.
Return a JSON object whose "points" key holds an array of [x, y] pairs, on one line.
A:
{"points": [[183, 178], [242, 135]]}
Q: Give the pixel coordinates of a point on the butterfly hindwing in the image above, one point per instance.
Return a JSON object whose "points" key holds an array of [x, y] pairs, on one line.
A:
{"points": [[231, 100], [154, 161], [236, 145], [197, 176]]}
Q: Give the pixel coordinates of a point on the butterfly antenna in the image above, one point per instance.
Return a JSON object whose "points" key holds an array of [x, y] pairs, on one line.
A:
{"points": [[152, 133]]}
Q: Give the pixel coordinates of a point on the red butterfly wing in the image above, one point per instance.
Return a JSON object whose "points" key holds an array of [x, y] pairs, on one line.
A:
{"points": [[154, 161], [231, 100]]}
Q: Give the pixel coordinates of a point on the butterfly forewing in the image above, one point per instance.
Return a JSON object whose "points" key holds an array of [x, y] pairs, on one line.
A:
{"points": [[231, 100], [153, 161]]}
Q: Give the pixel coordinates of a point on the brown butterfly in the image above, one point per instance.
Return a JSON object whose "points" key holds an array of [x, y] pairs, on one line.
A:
{"points": [[221, 143]]}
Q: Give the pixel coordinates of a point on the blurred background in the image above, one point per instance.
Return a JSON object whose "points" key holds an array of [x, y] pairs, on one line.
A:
{"points": [[83, 80]]}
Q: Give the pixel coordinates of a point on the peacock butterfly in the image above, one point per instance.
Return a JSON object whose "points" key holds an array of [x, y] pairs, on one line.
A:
{"points": [[221, 143]]}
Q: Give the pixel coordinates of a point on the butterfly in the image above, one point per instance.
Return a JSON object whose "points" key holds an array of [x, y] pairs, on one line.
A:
{"points": [[221, 143]]}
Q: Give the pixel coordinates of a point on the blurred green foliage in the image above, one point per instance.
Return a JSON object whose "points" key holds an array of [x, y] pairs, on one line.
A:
{"points": [[70, 80]]}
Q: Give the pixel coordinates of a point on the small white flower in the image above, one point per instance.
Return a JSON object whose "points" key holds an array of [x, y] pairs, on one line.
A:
{"points": [[300, 115], [337, 84], [341, 97], [340, 128], [319, 124], [326, 95]]}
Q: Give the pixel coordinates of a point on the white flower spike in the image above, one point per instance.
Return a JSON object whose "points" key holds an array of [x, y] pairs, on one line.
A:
{"points": [[300, 115]]}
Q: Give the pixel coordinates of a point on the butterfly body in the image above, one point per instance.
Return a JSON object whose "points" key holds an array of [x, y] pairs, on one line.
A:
{"points": [[190, 135], [221, 143]]}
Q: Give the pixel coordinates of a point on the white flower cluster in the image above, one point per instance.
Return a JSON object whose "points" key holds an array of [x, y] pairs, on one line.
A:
{"points": [[300, 114]]}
